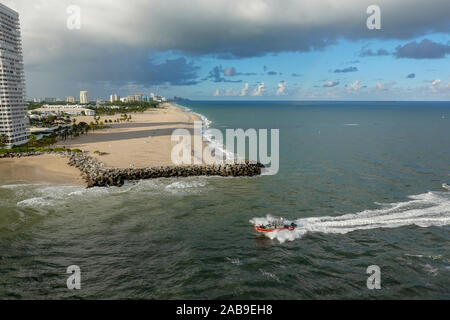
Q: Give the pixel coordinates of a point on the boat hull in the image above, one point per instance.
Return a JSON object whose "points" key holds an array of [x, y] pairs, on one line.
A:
{"points": [[271, 230]]}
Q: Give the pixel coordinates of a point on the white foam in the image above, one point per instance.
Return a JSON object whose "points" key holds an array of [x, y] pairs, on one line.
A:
{"points": [[186, 184], [424, 210], [44, 196], [269, 275], [438, 257], [35, 202], [431, 270], [219, 149], [446, 186], [235, 261], [268, 171], [20, 186]]}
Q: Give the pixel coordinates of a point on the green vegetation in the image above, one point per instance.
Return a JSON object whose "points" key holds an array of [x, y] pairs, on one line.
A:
{"points": [[32, 106], [25, 149], [124, 107], [36, 105], [41, 145], [45, 141], [81, 128], [71, 129], [47, 122], [100, 153], [4, 139]]}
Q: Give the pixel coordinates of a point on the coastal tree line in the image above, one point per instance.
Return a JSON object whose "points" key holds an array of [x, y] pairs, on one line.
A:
{"points": [[62, 132]]}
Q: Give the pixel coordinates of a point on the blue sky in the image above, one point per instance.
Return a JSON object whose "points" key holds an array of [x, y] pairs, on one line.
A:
{"points": [[229, 49], [305, 73]]}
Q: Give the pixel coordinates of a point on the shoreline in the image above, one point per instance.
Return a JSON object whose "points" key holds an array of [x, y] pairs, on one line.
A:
{"points": [[97, 174], [125, 149], [145, 141], [45, 168]]}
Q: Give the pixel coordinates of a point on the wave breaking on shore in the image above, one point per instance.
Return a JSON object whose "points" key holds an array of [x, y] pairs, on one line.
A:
{"points": [[219, 149]]}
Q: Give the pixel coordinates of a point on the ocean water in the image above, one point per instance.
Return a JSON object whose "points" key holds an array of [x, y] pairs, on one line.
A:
{"points": [[366, 182]]}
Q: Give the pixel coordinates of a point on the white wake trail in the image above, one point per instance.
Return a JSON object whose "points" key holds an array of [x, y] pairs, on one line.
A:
{"points": [[424, 210]]}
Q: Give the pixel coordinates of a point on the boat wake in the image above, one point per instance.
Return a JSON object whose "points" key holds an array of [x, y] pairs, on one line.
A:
{"points": [[423, 210]]}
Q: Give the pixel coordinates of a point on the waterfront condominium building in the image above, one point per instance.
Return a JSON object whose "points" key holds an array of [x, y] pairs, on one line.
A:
{"points": [[114, 98], [70, 99], [13, 120], [84, 99]]}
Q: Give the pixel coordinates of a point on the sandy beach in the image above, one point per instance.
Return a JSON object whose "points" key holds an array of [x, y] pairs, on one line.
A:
{"points": [[39, 169], [145, 141]]}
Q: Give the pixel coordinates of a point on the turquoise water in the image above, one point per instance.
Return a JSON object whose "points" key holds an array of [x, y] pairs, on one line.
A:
{"points": [[367, 183]]}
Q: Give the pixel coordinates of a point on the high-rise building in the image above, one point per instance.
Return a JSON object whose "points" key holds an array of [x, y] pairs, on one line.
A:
{"points": [[13, 120], [84, 99], [70, 99], [114, 98]]}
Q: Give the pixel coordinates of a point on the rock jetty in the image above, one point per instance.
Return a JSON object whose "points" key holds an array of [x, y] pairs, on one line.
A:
{"points": [[97, 174]]}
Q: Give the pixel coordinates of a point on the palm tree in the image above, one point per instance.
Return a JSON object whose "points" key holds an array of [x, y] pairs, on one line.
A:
{"points": [[32, 142], [4, 140]]}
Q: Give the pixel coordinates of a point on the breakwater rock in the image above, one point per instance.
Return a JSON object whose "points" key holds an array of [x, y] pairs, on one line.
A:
{"points": [[97, 174], [34, 153]]}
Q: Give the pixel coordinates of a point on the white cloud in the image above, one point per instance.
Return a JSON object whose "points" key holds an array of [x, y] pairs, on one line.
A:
{"points": [[435, 83], [216, 93], [120, 37], [355, 86], [380, 86], [259, 90], [241, 28], [282, 85], [244, 90], [330, 84], [439, 87]]}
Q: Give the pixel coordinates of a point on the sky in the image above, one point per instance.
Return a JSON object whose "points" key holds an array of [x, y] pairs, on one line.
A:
{"points": [[237, 49]]}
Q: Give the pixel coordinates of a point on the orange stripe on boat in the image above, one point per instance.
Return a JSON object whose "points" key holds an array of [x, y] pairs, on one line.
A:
{"points": [[268, 230]]}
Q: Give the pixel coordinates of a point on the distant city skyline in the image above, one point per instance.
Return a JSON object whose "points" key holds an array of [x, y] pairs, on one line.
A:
{"points": [[242, 50], [84, 98]]}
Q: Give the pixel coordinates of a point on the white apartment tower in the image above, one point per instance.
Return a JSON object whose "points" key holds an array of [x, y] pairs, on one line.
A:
{"points": [[13, 120], [114, 98], [84, 97]]}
